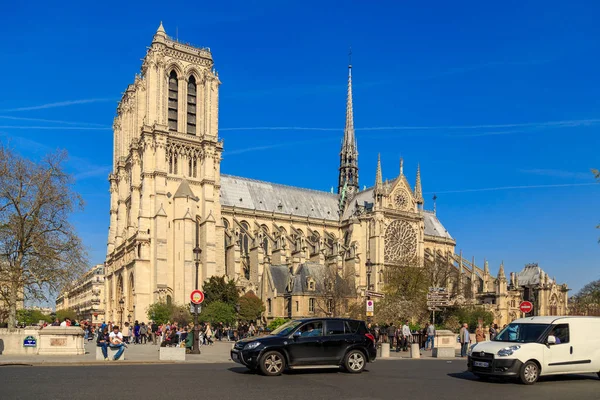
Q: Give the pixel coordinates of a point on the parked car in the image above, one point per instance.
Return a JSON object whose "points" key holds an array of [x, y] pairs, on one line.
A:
{"points": [[537, 346], [309, 343]]}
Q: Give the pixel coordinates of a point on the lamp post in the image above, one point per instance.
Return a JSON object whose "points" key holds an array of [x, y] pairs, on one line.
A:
{"points": [[121, 309], [369, 266], [197, 251]]}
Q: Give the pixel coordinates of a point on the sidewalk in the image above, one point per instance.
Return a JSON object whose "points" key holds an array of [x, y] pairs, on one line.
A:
{"points": [[425, 354], [134, 354]]}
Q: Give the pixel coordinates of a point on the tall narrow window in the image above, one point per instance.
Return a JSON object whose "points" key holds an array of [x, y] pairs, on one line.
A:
{"points": [[195, 166], [191, 106], [175, 157], [171, 164], [173, 82], [190, 167]]}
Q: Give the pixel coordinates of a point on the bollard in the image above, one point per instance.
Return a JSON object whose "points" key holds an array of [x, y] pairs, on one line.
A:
{"points": [[414, 350], [385, 350]]}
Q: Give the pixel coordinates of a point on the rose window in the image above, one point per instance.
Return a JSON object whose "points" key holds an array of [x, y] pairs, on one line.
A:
{"points": [[400, 242], [401, 199]]}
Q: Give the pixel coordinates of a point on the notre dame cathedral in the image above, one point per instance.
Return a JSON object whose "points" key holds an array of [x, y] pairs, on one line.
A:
{"points": [[168, 196]]}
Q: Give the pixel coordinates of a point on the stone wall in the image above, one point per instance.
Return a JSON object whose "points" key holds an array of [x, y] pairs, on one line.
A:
{"points": [[11, 341]]}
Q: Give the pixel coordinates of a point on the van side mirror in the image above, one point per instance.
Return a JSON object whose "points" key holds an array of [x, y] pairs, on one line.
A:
{"points": [[297, 334], [551, 339]]}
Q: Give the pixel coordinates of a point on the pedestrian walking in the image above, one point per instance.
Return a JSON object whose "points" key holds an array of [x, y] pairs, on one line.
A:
{"points": [[430, 336], [464, 339], [143, 333], [390, 332], [136, 332], [479, 334]]}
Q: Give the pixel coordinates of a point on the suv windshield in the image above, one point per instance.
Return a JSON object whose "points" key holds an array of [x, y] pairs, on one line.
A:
{"points": [[286, 328], [522, 333]]}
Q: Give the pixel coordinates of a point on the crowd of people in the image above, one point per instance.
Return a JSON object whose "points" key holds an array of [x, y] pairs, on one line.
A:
{"points": [[402, 336]]}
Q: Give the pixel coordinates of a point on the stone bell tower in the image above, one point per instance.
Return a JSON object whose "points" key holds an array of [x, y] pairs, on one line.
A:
{"points": [[165, 181]]}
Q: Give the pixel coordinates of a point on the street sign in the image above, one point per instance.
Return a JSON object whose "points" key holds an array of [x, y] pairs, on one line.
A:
{"points": [[370, 305], [369, 313], [434, 309], [197, 296], [29, 341], [526, 307], [374, 294], [195, 308]]}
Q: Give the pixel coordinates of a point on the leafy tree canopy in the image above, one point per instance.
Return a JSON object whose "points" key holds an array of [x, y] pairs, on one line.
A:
{"points": [[218, 312], [32, 317], [66, 313], [217, 288], [161, 313], [251, 307]]}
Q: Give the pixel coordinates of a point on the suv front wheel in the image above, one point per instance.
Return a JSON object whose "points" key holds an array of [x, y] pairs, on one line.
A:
{"points": [[272, 363], [355, 361]]}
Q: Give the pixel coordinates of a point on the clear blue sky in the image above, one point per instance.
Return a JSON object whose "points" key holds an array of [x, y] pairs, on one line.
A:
{"points": [[482, 95]]}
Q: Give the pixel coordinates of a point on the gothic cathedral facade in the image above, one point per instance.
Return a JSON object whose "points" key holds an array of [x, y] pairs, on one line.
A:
{"points": [[168, 197]]}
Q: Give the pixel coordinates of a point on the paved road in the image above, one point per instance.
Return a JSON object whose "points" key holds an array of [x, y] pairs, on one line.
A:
{"points": [[416, 379]]}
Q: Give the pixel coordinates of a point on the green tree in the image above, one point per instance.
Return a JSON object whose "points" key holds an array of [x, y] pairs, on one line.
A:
{"points": [[31, 317], [276, 323], [218, 312], [469, 314], [66, 313], [251, 307], [217, 288], [39, 248], [160, 312]]}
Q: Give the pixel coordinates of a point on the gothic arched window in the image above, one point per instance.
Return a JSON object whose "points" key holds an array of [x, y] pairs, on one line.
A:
{"points": [[173, 89], [245, 248], [191, 106]]}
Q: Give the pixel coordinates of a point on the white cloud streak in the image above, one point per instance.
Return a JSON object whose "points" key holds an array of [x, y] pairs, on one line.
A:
{"points": [[513, 188], [76, 128], [52, 121], [57, 104], [556, 173], [546, 124]]}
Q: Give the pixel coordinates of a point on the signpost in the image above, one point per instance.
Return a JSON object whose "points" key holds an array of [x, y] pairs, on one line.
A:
{"points": [[437, 297], [526, 307], [29, 341], [370, 293], [370, 308]]}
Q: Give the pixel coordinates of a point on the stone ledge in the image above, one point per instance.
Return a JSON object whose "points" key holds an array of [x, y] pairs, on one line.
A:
{"points": [[111, 354], [171, 354]]}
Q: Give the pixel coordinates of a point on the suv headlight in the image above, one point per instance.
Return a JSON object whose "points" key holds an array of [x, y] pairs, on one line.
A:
{"points": [[508, 351], [471, 349], [251, 345]]}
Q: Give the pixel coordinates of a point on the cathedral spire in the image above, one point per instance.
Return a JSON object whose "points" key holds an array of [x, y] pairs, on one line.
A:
{"points": [[160, 34], [418, 190], [501, 274], [348, 175], [378, 178]]}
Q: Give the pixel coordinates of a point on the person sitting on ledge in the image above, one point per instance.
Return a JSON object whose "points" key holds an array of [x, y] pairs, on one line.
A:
{"points": [[103, 341], [116, 342]]}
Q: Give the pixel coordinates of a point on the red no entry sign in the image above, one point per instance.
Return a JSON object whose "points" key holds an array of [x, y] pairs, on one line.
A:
{"points": [[197, 297], [526, 307]]}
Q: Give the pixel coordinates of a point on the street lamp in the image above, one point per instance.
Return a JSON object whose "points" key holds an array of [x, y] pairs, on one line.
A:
{"points": [[197, 251], [369, 266], [121, 309]]}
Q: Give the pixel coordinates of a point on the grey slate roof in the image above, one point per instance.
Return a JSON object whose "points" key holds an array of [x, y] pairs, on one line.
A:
{"points": [[433, 226], [280, 275], [361, 199], [530, 275], [266, 196]]}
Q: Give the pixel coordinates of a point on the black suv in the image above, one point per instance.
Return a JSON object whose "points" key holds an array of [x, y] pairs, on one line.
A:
{"points": [[309, 343]]}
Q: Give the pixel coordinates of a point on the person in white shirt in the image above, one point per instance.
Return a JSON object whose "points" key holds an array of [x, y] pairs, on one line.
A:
{"points": [[406, 335], [116, 342]]}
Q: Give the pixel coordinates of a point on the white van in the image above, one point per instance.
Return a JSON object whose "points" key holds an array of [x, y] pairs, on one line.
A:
{"points": [[538, 346]]}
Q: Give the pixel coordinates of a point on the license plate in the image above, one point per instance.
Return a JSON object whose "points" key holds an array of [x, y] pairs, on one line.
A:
{"points": [[481, 364]]}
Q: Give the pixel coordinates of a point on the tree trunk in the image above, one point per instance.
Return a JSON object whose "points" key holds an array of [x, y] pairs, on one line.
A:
{"points": [[12, 305]]}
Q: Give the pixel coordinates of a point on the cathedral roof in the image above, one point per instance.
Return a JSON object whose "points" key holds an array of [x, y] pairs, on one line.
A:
{"points": [[266, 196], [530, 275], [433, 226], [281, 276]]}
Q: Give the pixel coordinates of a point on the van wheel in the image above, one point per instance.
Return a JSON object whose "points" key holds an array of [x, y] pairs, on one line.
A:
{"points": [[530, 372], [272, 363], [355, 361]]}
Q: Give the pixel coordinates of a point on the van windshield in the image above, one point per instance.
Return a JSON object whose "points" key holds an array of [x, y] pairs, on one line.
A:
{"points": [[522, 333]]}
